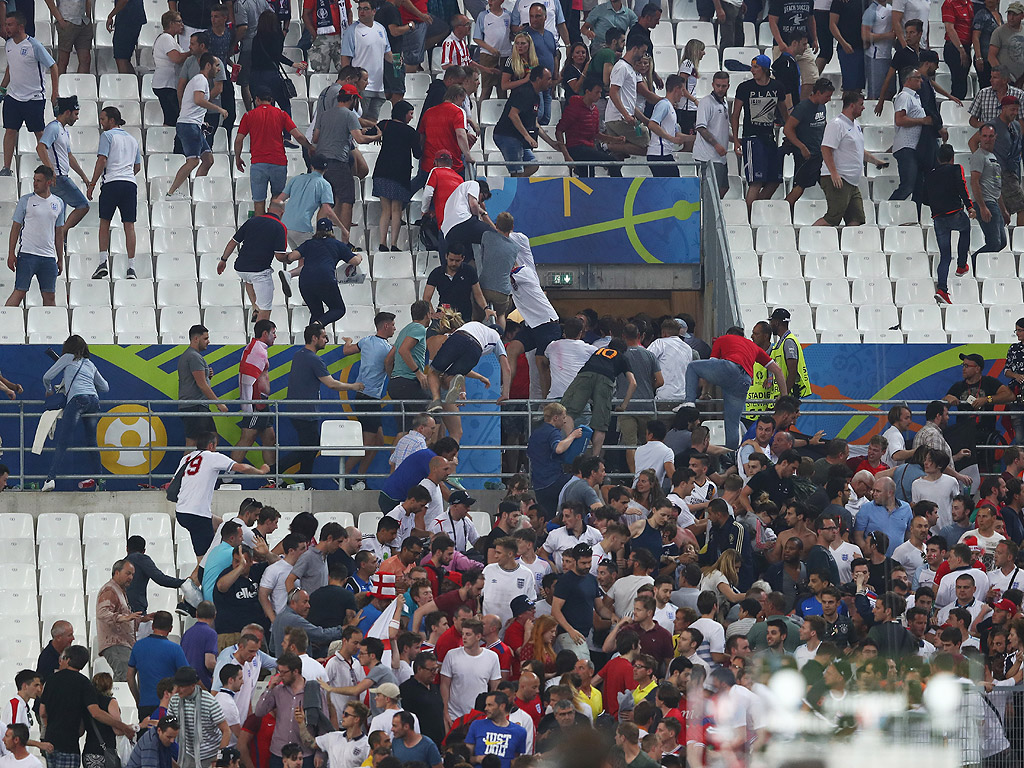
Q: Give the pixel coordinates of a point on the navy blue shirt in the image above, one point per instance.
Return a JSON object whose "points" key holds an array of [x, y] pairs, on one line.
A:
{"points": [[321, 255], [260, 237], [304, 381], [415, 467], [545, 464], [579, 593]]}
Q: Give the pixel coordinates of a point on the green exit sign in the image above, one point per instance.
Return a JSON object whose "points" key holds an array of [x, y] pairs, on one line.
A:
{"points": [[561, 279]]}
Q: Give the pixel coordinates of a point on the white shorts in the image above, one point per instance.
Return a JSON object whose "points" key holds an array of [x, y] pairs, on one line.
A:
{"points": [[263, 285]]}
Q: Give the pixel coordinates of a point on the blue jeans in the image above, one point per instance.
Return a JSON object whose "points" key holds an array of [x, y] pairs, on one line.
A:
{"points": [[909, 168], [994, 230], [852, 67], [544, 108], [77, 409], [513, 151], [734, 381], [944, 228]]}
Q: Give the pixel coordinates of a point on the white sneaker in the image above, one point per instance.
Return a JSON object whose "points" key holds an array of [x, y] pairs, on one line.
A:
{"points": [[49, 485], [176, 195]]}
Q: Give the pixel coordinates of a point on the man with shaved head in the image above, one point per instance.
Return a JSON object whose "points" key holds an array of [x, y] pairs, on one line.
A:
{"points": [[884, 513]]}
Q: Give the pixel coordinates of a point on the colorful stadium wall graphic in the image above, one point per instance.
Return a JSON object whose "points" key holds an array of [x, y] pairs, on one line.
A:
{"points": [[614, 221], [148, 374]]}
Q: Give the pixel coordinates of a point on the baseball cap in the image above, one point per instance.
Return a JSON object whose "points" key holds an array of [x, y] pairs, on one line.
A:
{"points": [[350, 89], [780, 314], [461, 497], [1015, 8], [185, 676], [762, 61], [387, 689], [324, 225], [974, 358], [521, 604], [318, 161], [1007, 100], [1006, 605]]}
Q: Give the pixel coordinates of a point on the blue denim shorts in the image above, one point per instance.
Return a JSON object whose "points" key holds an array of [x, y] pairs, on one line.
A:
{"points": [[262, 174], [413, 43], [193, 142], [513, 150], [43, 268], [68, 191]]}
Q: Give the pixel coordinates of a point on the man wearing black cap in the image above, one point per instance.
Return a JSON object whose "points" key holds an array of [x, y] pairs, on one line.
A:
{"points": [[54, 149], [788, 354], [456, 522], [977, 392], [188, 703], [318, 281]]}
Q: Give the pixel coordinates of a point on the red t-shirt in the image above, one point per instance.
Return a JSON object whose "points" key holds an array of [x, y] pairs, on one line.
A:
{"points": [[443, 181], [447, 642], [618, 677], [449, 602], [421, 6], [438, 127], [859, 462], [961, 14], [520, 387], [579, 122], [514, 638], [740, 350], [264, 126], [263, 727], [535, 709], [505, 657]]}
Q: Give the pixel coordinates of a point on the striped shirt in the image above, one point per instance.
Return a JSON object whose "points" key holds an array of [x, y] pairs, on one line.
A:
{"points": [[454, 52], [408, 445], [211, 717]]}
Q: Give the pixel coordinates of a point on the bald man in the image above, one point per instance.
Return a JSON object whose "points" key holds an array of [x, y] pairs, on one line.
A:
{"points": [[440, 469], [884, 513]]}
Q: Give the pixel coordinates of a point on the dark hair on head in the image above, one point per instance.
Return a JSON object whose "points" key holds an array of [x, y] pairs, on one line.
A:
{"points": [[292, 751], [935, 408], [780, 625], [227, 672], [536, 73], [852, 97], [77, 657], [207, 59], [455, 73], [613, 34], [74, 345], [312, 331], [915, 23], [456, 94], [25, 676], [823, 85], [946, 153], [445, 445], [637, 40]]}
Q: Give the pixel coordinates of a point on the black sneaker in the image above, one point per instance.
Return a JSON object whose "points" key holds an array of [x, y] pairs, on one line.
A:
{"points": [[184, 609], [286, 282], [130, 274], [101, 272]]}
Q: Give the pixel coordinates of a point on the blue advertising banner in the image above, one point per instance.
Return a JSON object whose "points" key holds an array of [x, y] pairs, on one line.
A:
{"points": [[885, 372], [604, 220], [148, 375]]}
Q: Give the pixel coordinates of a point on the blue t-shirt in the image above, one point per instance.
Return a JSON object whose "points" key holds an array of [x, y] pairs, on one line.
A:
{"points": [[322, 256], [544, 462], [487, 738], [874, 517], [155, 657], [373, 350], [425, 752], [306, 193], [415, 467], [304, 381], [545, 45], [370, 615], [579, 593], [199, 640], [261, 237], [219, 559]]}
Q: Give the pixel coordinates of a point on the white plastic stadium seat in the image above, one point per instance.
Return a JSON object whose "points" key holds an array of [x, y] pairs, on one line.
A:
{"points": [[863, 238], [876, 317], [776, 238], [57, 525], [961, 317], [914, 291], [824, 265], [780, 291], [920, 317], [819, 240], [835, 318], [866, 265], [868, 290], [781, 264], [1001, 291], [908, 265], [824, 290]]}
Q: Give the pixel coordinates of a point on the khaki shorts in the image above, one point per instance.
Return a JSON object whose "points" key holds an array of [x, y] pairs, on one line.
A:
{"points": [[595, 389], [628, 132], [74, 36], [633, 429], [1013, 197], [805, 61], [296, 238], [501, 303], [844, 204]]}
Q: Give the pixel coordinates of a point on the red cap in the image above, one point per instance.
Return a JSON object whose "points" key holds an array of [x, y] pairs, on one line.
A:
{"points": [[1006, 605], [350, 89], [1007, 100]]}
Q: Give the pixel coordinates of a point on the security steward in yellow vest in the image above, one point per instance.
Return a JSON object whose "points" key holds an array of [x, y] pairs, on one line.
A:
{"points": [[789, 355], [764, 390]]}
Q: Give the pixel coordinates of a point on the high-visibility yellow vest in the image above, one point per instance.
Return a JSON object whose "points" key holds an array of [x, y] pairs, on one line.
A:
{"points": [[803, 381]]}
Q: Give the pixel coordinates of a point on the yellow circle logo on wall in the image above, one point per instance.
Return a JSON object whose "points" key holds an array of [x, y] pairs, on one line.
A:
{"points": [[140, 438]]}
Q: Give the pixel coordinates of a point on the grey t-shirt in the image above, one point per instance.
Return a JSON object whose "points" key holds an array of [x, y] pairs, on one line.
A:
{"points": [[248, 12], [496, 262], [335, 127], [189, 362], [987, 165], [380, 674], [1010, 43], [191, 68], [311, 570], [578, 491], [644, 365]]}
